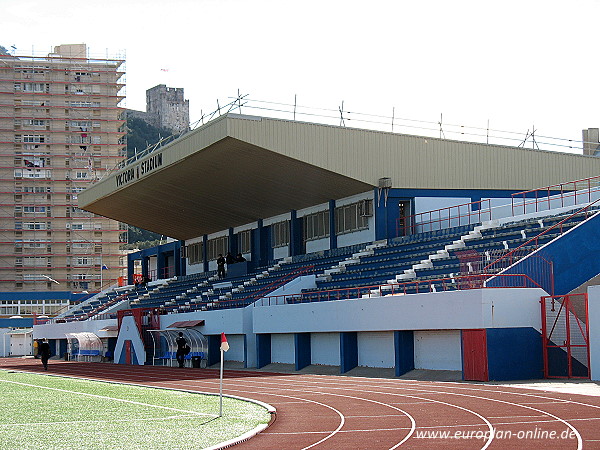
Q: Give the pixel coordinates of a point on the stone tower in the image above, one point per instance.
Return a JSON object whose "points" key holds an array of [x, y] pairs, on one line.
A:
{"points": [[167, 108]]}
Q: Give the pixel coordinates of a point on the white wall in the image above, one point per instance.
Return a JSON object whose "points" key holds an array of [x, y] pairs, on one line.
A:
{"points": [[58, 330], [376, 349], [325, 349], [594, 331], [281, 252], [438, 350], [282, 348], [358, 237], [456, 310], [317, 245], [5, 341], [236, 348]]}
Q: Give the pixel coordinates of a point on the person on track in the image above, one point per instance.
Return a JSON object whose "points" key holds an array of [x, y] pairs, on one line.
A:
{"points": [[182, 349], [44, 352]]}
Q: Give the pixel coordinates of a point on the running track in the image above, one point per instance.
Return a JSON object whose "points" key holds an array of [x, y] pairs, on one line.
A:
{"points": [[333, 412]]}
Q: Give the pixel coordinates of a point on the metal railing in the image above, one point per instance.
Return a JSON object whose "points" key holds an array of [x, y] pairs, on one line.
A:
{"points": [[475, 281], [451, 216], [555, 196]]}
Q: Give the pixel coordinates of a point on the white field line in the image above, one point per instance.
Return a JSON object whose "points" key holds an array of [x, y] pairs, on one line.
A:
{"points": [[79, 422], [132, 402]]}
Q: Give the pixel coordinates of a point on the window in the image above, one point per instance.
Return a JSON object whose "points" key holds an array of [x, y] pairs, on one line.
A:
{"points": [[245, 241], [32, 138], [35, 261], [33, 209], [82, 244], [35, 87], [281, 234], [216, 246], [34, 226], [353, 217], [195, 253], [33, 122], [316, 226]]}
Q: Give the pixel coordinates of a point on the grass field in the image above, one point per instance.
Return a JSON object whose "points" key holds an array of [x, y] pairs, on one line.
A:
{"points": [[43, 412]]}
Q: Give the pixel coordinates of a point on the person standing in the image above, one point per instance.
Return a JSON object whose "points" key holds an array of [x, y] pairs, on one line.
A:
{"points": [[221, 266], [181, 349], [44, 352]]}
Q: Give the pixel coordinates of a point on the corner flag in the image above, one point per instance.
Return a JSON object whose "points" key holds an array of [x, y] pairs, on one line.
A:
{"points": [[224, 343]]}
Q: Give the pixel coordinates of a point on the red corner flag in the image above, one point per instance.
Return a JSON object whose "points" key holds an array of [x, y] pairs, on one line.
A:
{"points": [[224, 343]]}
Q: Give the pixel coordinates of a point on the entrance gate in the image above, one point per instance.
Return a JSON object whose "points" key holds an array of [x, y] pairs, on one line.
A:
{"points": [[565, 336]]}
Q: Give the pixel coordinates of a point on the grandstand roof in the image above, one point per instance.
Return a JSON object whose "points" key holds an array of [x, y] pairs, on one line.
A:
{"points": [[237, 169]]}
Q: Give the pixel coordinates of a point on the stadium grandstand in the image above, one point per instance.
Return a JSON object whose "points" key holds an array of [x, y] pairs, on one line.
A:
{"points": [[359, 248]]}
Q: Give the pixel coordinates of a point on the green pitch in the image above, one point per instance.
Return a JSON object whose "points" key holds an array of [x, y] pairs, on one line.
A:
{"points": [[46, 412]]}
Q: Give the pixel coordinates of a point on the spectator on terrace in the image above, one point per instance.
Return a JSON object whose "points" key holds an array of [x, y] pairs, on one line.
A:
{"points": [[240, 258], [44, 352], [229, 259], [221, 266], [182, 349]]}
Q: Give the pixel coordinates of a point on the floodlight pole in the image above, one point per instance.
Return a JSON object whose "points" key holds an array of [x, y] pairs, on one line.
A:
{"points": [[221, 387]]}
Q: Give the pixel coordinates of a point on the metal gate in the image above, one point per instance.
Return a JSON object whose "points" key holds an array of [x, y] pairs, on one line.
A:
{"points": [[565, 336]]}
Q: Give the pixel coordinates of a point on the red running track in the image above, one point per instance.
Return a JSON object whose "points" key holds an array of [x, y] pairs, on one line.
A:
{"points": [[334, 412]]}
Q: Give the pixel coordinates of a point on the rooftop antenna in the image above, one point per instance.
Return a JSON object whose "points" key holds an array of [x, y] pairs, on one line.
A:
{"points": [[218, 107], [487, 135], [393, 115], [239, 101], [294, 106], [533, 142], [341, 110], [441, 130]]}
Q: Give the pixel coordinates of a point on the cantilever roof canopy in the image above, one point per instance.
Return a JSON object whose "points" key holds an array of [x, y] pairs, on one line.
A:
{"points": [[237, 169]]}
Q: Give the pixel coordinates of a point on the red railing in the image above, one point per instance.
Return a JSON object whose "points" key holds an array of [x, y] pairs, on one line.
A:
{"points": [[548, 197], [527, 248], [476, 281], [451, 216], [559, 333]]}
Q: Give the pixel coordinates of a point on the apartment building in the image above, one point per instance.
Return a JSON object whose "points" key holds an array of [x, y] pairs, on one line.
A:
{"points": [[61, 128]]}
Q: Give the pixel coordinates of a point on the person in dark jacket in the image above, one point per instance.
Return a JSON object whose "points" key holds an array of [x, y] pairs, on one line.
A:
{"points": [[221, 266], [181, 349], [44, 352]]}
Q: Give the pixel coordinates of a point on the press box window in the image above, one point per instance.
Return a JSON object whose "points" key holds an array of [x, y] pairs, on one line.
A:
{"points": [[281, 234], [245, 241], [353, 217], [316, 226]]}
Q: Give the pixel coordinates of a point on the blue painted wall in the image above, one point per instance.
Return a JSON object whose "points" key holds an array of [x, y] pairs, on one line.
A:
{"points": [[302, 350], [514, 354], [26, 322], [404, 350], [348, 351], [574, 256], [162, 252], [263, 350]]}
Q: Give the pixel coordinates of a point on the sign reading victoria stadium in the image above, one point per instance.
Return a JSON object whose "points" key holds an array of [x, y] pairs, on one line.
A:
{"points": [[139, 170]]}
